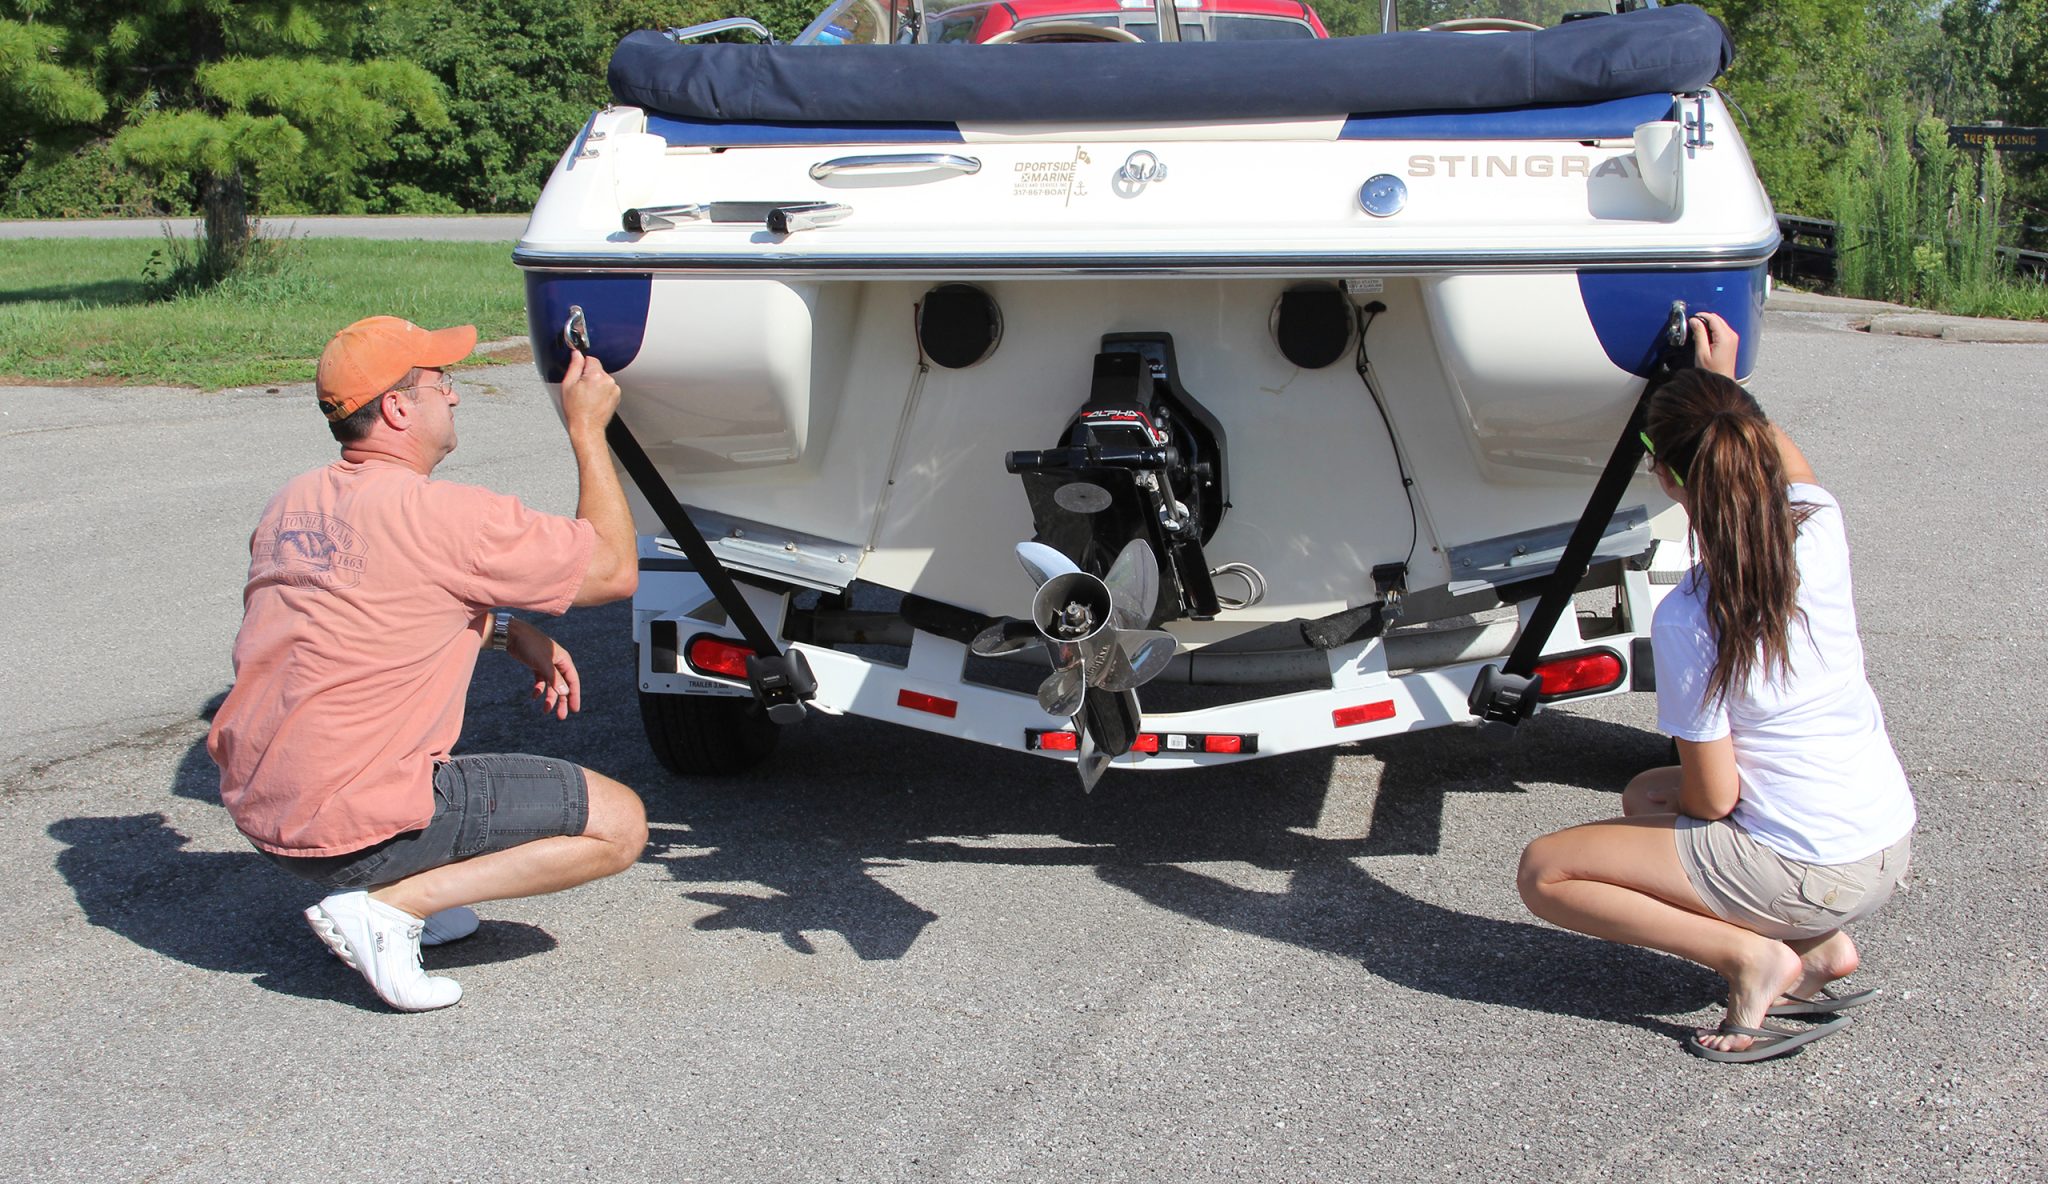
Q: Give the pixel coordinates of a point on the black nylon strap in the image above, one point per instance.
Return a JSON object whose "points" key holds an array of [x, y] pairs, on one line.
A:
{"points": [[1578, 552], [678, 524]]}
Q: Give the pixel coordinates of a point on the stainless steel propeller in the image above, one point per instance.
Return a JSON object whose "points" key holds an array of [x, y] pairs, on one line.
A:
{"points": [[1093, 629]]}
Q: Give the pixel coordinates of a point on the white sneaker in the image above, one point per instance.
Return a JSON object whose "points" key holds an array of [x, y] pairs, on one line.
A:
{"points": [[449, 925], [383, 945]]}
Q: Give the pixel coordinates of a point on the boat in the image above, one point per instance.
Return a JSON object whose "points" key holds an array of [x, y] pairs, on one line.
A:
{"points": [[1157, 394]]}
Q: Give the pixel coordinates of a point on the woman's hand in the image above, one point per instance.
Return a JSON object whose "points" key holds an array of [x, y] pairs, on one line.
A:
{"points": [[555, 681], [1714, 342]]}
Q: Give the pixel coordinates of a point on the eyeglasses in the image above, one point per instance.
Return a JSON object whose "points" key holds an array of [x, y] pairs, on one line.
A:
{"points": [[444, 386], [1650, 450]]}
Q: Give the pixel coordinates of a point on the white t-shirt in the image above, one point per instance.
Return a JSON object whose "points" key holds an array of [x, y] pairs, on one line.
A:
{"points": [[1820, 782]]}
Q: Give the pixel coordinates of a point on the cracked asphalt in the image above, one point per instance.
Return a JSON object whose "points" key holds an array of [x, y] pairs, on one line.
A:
{"points": [[889, 956]]}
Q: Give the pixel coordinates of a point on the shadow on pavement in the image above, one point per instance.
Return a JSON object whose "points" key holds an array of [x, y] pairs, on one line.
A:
{"points": [[231, 912], [792, 850], [872, 797]]}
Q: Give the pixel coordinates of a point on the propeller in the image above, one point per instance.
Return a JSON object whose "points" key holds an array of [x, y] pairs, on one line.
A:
{"points": [[1094, 630]]}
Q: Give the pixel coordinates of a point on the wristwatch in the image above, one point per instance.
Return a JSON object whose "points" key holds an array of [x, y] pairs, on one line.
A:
{"points": [[501, 630]]}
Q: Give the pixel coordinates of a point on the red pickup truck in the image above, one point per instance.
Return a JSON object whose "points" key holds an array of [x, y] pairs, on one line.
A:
{"points": [[1006, 21]]}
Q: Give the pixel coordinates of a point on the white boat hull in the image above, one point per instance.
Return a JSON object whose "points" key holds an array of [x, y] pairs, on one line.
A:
{"points": [[780, 384]]}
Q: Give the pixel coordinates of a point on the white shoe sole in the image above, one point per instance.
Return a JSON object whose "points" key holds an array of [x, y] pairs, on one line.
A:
{"points": [[330, 935], [323, 928]]}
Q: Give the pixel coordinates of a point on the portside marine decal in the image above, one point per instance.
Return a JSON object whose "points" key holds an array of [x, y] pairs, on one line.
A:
{"points": [[1052, 178]]}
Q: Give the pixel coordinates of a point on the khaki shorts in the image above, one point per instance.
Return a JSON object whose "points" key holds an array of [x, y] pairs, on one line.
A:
{"points": [[1748, 884]]}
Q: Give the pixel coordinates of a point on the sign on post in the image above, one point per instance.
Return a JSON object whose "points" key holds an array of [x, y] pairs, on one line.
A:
{"points": [[1995, 135]]}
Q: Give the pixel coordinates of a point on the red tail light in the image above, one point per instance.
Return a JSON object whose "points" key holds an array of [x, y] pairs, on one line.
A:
{"points": [[917, 701], [717, 655], [1364, 713], [1225, 743], [1581, 673]]}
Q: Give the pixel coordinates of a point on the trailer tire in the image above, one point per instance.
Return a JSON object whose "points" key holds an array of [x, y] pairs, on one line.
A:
{"points": [[706, 735]]}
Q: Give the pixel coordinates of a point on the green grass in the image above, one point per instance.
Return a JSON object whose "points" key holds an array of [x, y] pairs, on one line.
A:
{"points": [[2011, 300], [79, 311]]}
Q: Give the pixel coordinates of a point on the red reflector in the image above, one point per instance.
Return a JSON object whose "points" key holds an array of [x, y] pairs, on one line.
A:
{"points": [[715, 655], [1058, 741], [1580, 672], [1146, 742], [932, 703], [1364, 713], [1223, 744]]}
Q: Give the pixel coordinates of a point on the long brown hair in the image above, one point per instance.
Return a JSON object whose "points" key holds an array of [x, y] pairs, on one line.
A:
{"points": [[1711, 432]]}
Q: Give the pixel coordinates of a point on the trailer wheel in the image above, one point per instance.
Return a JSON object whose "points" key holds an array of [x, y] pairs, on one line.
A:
{"points": [[705, 735]]}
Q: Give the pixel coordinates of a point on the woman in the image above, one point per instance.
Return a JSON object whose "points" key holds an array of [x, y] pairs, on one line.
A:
{"points": [[1788, 815]]}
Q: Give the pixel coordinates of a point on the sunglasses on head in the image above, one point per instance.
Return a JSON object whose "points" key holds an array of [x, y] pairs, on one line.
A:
{"points": [[1650, 450]]}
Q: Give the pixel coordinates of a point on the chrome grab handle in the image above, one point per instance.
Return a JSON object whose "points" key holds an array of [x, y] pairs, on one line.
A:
{"points": [[781, 217], [809, 216], [904, 161], [643, 219], [710, 28]]}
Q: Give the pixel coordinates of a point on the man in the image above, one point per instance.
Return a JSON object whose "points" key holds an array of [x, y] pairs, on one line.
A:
{"points": [[371, 591]]}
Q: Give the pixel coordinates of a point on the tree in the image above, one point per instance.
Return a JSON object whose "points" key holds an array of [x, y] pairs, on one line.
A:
{"points": [[35, 88], [254, 100], [1801, 81], [520, 77], [2008, 40]]}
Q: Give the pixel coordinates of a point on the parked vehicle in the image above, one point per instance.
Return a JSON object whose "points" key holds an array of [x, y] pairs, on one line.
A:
{"points": [[997, 21], [1011, 385]]}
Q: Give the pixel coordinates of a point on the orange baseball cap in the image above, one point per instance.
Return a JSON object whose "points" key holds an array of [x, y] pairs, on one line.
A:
{"points": [[369, 357]]}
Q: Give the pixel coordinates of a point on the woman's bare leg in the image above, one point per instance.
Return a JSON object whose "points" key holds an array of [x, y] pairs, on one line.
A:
{"points": [[1822, 960], [1620, 880], [1653, 791]]}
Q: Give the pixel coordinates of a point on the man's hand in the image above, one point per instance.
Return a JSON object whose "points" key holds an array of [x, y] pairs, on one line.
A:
{"points": [[589, 399], [554, 674], [1714, 342], [589, 395]]}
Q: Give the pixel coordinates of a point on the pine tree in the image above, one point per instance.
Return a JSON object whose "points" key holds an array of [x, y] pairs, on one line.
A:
{"points": [[246, 98]]}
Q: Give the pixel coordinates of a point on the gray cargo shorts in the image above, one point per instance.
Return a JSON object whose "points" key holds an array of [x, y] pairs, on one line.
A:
{"points": [[482, 803]]}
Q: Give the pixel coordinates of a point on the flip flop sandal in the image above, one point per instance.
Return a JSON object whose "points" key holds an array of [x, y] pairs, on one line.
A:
{"points": [[1826, 1003], [1766, 1042]]}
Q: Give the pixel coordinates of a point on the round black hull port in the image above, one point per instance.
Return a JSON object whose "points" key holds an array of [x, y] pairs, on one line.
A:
{"points": [[1312, 325], [958, 325]]}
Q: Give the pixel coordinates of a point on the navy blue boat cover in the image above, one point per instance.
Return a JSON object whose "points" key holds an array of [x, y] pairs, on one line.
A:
{"points": [[1651, 50]]}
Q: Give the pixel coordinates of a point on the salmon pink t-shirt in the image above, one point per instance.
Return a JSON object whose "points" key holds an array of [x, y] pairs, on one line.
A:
{"points": [[361, 625]]}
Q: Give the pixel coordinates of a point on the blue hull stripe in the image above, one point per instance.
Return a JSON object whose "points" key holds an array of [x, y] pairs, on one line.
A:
{"points": [[1628, 308], [614, 310]]}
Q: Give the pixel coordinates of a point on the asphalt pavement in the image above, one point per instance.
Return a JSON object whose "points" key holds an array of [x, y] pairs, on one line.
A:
{"points": [[890, 956]]}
